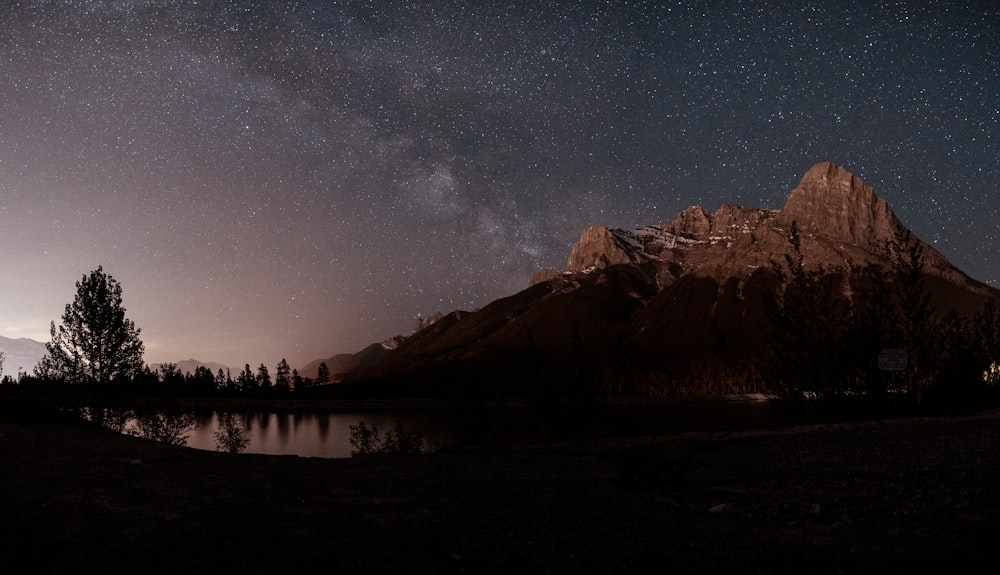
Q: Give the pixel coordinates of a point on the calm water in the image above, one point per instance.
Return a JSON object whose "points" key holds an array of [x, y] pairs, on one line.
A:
{"points": [[327, 433], [314, 434]]}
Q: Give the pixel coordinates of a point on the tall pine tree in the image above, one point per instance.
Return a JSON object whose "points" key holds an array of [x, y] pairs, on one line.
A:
{"points": [[283, 377]]}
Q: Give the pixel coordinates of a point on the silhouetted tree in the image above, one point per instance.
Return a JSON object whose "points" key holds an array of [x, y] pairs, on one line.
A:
{"points": [[811, 322], [282, 377], [263, 378], [96, 343], [915, 311], [202, 381], [367, 440], [967, 350], [246, 381], [298, 384], [232, 436], [323, 377], [172, 427], [874, 326], [891, 309], [987, 334], [221, 381], [171, 377]]}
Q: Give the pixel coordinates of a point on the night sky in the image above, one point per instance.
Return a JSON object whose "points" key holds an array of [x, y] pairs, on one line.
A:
{"points": [[298, 179]]}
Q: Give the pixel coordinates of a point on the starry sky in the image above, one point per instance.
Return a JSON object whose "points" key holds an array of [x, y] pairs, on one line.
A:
{"points": [[297, 179]]}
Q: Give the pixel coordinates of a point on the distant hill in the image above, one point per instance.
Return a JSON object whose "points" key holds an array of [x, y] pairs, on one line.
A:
{"points": [[20, 354], [642, 309], [345, 362], [23, 354]]}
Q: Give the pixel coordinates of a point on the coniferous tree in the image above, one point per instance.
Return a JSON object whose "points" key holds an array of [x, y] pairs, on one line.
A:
{"points": [[915, 310], [96, 343], [987, 336], [810, 318], [298, 384], [282, 377], [171, 377], [245, 381], [202, 381], [323, 377], [220, 380], [263, 378]]}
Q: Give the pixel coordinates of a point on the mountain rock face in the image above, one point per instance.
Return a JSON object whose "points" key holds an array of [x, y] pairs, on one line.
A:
{"points": [[694, 291], [600, 247], [836, 204], [841, 222]]}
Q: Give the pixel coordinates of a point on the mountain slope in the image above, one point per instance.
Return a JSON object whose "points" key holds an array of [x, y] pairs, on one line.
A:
{"points": [[696, 293]]}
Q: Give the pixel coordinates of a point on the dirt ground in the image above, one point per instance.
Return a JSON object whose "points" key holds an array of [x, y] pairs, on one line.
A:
{"points": [[917, 493]]}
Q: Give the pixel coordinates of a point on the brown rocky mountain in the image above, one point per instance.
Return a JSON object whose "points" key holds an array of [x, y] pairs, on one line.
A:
{"points": [[657, 303], [842, 222]]}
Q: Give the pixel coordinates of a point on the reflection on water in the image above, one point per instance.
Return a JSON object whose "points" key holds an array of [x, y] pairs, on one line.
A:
{"points": [[327, 433], [312, 434]]}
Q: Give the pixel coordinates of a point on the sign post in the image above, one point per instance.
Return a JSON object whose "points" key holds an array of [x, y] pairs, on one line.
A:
{"points": [[892, 359]]}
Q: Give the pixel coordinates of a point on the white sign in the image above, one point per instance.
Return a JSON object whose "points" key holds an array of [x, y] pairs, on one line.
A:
{"points": [[892, 360]]}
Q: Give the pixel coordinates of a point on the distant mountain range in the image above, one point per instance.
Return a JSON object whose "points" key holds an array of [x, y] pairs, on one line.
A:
{"points": [[23, 354], [20, 354], [694, 294], [690, 294]]}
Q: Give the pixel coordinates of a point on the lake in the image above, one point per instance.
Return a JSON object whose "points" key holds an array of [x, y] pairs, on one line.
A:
{"points": [[327, 433], [315, 434]]}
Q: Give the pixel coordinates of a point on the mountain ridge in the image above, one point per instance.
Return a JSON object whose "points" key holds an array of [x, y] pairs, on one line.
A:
{"points": [[695, 293], [20, 354], [825, 206]]}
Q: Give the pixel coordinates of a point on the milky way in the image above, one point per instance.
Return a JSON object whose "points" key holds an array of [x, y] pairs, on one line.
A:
{"points": [[298, 179]]}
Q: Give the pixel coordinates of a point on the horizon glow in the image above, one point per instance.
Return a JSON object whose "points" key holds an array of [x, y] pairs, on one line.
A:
{"points": [[303, 179]]}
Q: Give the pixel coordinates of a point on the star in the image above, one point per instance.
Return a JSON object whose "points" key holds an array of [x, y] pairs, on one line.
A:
{"points": [[306, 178]]}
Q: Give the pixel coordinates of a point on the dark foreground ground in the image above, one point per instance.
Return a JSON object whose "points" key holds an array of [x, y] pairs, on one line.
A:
{"points": [[917, 493]]}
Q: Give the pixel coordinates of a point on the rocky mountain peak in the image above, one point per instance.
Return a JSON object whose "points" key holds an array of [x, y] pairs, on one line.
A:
{"points": [[600, 247], [729, 222], [697, 290], [841, 221], [695, 221], [834, 203]]}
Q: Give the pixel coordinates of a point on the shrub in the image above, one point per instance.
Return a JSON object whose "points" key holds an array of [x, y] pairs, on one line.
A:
{"points": [[232, 436], [366, 440], [170, 428], [402, 440]]}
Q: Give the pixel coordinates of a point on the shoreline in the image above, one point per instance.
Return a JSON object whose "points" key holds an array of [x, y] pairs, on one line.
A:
{"points": [[909, 493]]}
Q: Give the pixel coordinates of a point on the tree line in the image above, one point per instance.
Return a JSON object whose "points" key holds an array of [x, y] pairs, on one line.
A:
{"points": [[826, 330], [250, 382], [797, 330], [168, 380], [828, 343], [97, 349]]}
